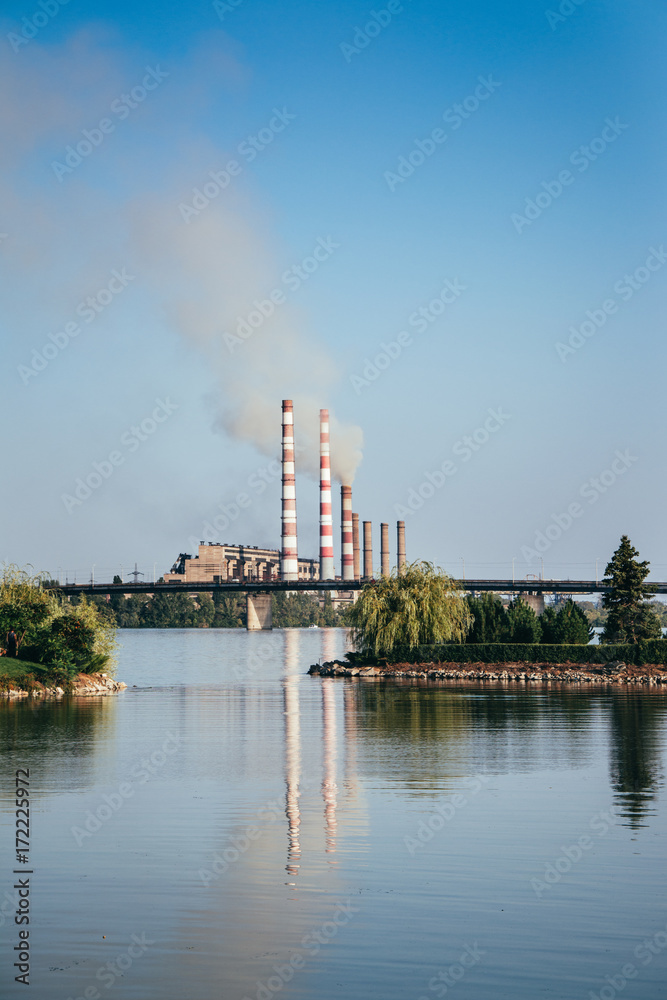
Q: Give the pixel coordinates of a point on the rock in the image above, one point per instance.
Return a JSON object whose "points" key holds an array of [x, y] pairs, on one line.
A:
{"points": [[615, 667]]}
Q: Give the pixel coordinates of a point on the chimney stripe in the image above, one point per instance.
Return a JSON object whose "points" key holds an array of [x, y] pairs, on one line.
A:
{"points": [[327, 570]]}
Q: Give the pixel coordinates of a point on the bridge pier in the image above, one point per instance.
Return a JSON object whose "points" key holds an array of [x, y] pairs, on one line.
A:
{"points": [[534, 601], [258, 612]]}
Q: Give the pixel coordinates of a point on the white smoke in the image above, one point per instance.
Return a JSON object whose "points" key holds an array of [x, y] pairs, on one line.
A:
{"points": [[212, 272], [65, 237]]}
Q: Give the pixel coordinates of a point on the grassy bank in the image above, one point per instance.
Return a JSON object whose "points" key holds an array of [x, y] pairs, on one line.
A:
{"points": [[22, 674]]}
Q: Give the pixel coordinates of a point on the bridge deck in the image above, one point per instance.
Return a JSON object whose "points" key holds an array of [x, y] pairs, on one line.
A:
{"points": [[252, 586]]}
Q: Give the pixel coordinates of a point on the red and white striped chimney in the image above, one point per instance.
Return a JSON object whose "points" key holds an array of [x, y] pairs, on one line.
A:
{"points": [[327, 570], [347, 544], [289, 564]]}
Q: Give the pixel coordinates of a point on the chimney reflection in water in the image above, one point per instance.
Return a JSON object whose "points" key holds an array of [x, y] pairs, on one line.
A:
{"points": [[329, 787], [292, 751]]}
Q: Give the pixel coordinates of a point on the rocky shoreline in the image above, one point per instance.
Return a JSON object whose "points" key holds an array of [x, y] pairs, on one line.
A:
{"points": [[83, 684], [534, 673]]}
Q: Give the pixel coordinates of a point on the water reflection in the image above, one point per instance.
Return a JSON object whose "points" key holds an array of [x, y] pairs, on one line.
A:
{"points": [[58, 739], [290, 682], [415, 734], [635, 717], [432, 732], [329, 786], [334, 775]]}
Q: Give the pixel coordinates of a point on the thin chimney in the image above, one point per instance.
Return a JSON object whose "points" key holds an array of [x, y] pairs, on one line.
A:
{"points": [[347, 544], [368, 550], [384, 550], [356, 547], [400, 546]]}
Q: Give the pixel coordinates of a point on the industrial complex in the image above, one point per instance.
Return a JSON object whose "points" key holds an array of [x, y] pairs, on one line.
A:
{"points": [[221, 562]]}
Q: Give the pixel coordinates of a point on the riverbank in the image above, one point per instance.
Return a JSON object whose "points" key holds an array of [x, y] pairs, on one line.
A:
{"points": [[533, 673], [82, 685]]}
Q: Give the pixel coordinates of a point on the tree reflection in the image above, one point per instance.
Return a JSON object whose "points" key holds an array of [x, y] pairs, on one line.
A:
{"points": [[636, 717]]}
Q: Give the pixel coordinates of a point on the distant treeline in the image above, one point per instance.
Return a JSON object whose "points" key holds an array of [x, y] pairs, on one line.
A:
{"points": [[175, 610]]}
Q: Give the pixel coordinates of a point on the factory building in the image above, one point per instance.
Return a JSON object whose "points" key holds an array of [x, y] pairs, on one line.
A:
{"points": [[217, 563]]}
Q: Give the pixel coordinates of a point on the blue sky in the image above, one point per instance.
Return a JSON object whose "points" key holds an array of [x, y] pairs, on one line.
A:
{"points": [[305, 117]]}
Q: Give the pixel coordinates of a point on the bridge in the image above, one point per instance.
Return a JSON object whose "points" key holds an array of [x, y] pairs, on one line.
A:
{"points": [[258, 593]]}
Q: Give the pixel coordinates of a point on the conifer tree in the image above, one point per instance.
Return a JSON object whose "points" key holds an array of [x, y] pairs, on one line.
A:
{"points": [[629, 618]]}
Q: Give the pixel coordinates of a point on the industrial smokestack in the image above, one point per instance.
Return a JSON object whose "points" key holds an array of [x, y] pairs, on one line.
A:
{"points": [[356, 547], [384, 549], [400, 545], [289, 564], [368, 551], [347, 545], [327, 570]]}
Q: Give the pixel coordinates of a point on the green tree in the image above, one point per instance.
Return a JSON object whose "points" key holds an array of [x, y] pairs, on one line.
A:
{"points": [[629, 618], [205, 613], [566, 624], [127, 610], [327, 617], [523, 625], [421, 606], [229, 611], [490, 619], [54, 632], [294, 610]]}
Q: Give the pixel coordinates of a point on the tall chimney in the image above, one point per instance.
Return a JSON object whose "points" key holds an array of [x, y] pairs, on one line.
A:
{"points": [[356, 547], [400, 546], [347, 545], [368, 551], [384, 549], [327, 570], [289, 565]]}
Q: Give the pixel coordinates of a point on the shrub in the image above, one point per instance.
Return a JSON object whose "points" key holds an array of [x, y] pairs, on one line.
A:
{"points": [[654, 651], [52, 631]]}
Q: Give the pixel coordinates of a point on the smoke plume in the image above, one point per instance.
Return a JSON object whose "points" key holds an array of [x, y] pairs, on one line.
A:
{"points": [[204, 274]]}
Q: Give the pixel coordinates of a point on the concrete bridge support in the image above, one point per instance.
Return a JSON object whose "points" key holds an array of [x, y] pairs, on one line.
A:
{"points": [[258, 612], [534, 601]]}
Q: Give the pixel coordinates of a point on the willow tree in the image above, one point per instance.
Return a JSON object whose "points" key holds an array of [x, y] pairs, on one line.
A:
{"points": [[420, 606]]}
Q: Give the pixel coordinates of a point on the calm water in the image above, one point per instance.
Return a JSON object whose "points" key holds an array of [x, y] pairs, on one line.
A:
{"points": [[263, 833]]}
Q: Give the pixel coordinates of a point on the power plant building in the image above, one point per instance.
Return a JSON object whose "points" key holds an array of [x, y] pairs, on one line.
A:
{"points": [[218, 563]]}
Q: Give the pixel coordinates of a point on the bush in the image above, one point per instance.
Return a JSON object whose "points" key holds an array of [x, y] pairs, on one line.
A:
{"points": [[52, 631], [652, 651]]}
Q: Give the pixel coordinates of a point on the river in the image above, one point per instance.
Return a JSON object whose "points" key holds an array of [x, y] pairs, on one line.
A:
{"points": [[232, 828]]}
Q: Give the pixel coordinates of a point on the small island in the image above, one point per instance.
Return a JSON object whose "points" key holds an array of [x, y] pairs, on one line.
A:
{"points": [[419, 624]]}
